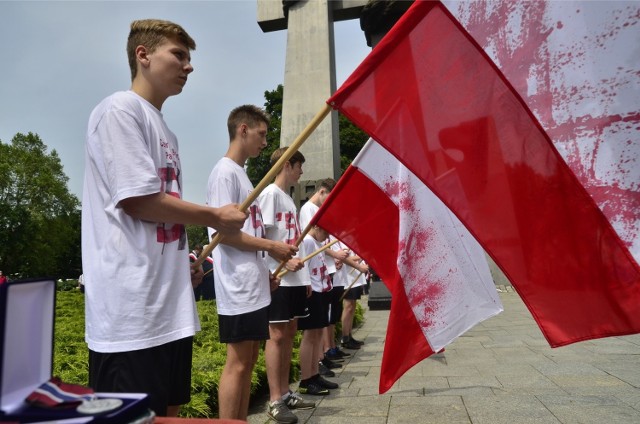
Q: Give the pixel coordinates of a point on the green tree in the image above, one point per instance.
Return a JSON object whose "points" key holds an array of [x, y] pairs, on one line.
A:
{"points": [[197, 235], [352, 138], [39, 218]]}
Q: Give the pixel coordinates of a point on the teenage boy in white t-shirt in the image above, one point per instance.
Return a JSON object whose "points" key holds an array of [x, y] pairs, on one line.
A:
{"points": [[289, 300], [140, 315], [242, 279], [313, 325], [332, 256]]}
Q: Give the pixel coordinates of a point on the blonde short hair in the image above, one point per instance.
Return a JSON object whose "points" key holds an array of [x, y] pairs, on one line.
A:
{"points": [[151, 33]]}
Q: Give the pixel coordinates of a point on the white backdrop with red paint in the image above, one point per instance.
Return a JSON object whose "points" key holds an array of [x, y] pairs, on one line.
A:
{"points": [[577, 65]]}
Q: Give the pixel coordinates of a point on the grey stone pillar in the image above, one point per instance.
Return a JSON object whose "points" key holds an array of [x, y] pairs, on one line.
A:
{"points": [[309, 80]]}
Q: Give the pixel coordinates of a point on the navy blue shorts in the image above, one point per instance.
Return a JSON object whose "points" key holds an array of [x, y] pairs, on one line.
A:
{"points": [[288, 303], [239, 328], [318, 312], [354, 293], [335, 304], [163, 372]]}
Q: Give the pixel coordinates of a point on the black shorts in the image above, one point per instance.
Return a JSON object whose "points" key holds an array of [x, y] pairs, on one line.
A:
{"points": [[335, 304], [318, 312], [288, 303], [354, 293], [163, 372], [250, 326]]}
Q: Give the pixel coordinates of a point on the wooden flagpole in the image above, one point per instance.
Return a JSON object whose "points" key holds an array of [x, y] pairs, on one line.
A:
{"points": [[266, 180], [351, 285], [306, 258]]}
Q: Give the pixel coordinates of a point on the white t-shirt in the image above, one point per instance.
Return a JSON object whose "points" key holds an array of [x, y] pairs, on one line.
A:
{"points": [[307, 211], [320, 281], [241, 277], [280, 218], [136, 273], [340, 278]]}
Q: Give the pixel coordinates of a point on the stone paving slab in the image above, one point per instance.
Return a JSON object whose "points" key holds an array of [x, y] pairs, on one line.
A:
{"points": [[501, 371]]}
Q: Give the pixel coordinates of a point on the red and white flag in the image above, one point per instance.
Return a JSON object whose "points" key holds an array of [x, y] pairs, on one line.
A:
{"points": [[438, 104], [436, 271]]}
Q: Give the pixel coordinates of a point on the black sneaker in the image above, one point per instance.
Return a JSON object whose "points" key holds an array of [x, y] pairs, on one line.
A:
{"points": [[341, 353], [350, 344], [325, 383], [355, 341], [330, 354], [330, 364], [313, 388], [323, 370]]}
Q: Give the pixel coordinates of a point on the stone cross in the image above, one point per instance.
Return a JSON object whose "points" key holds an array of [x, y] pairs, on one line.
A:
{"points": [[309, 78]]}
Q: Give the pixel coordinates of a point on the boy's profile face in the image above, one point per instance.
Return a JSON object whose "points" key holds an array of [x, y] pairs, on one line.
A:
{"points": [[295, 172], [167, 67], [254, 139]]}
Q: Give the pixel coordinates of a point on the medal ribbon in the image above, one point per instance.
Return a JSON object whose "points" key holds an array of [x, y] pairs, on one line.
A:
{"points": [[56, 394]]}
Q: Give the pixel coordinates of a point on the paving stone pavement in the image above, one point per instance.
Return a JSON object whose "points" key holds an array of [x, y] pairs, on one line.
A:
{"points": [[501, 371]]}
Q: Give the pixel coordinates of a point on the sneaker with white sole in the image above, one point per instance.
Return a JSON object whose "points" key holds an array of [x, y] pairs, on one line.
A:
{"points": [[279, 412], [295, 401]]}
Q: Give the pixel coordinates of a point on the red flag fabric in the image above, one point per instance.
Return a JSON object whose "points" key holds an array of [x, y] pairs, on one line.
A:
{"points": [[435, 101]]}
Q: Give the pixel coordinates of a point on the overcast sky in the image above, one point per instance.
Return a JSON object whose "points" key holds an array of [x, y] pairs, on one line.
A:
{"points": [[60, 58]]}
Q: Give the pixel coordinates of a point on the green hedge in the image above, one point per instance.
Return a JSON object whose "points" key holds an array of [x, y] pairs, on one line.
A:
{"points": [[71, 354]]}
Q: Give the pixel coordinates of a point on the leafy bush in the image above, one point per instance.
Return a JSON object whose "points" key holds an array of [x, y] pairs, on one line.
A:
{"points": [[209, 355]]}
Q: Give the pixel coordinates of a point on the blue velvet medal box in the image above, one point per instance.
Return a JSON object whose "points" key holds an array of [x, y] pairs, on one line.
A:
{"points": [[27, 310]]}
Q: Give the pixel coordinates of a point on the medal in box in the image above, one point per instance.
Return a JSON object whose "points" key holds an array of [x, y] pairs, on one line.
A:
{"points": [[27, 310]]}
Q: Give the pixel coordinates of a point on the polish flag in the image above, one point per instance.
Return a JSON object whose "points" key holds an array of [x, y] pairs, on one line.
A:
{"points": [[438, 104], [436, 272]]}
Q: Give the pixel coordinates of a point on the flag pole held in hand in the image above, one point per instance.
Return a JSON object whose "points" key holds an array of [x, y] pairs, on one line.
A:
{"points": [[306, 258]]}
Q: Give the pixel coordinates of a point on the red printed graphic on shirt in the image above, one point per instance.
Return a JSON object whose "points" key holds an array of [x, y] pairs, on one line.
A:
{"points": [[170, 184], [325, 281], [289, 222], [256, 221]]}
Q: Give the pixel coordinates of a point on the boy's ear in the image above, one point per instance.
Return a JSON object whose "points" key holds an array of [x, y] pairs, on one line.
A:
{"points": [[142, 54]]}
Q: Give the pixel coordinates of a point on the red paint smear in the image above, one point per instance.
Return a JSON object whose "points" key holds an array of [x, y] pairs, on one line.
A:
{"points": [[402, 193], [414, 248], [530, 57], [427, 296], [392, 188]]}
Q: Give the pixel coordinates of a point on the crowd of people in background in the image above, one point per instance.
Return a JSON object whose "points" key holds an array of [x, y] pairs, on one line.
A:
{"points": [[139, 279]]}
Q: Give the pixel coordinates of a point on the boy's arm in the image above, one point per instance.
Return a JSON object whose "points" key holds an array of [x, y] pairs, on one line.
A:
{"points": [[340, 255], [355, 264], [160, 207], [276, 249]]}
